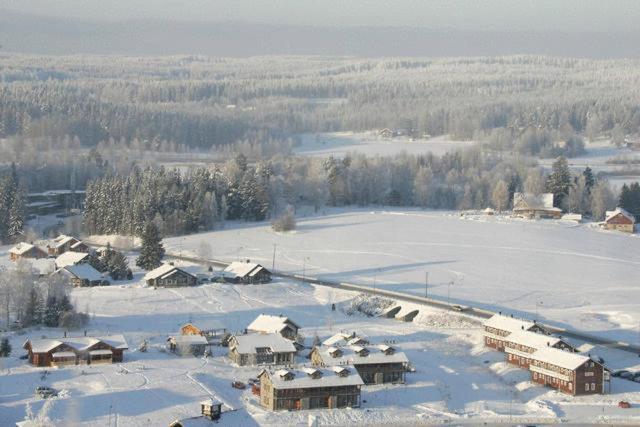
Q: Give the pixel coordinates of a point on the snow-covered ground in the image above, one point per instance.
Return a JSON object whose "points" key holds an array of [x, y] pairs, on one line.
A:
{"points": [[456, 379], [570, 274], [338, 144]]}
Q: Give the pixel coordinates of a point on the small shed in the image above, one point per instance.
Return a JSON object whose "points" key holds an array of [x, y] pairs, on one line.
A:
{"points": [[188, 345], [211, 408]]}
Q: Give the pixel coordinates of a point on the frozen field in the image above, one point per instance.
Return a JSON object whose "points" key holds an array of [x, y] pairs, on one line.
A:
{"points": [[456, 379], [338, 144], [571, 274]]}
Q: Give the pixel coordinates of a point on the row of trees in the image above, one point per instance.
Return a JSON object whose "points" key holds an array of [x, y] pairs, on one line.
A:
{"points": [[113, 262], [202, 198], [34, 300]]}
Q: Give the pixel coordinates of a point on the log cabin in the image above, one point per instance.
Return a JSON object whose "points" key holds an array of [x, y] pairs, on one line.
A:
{"points": [[82, 275], [71, 258], [75, 350], [261, 349], [310, 388], [61, 244], [26, 250], [569, 373], [378, 364], [246, 272], [620, 220], [168, 275], [266, 324]]}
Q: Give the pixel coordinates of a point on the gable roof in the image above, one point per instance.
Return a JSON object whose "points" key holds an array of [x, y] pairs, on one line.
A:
{"points": [[70, 258], [82, 272], [21, 248], [78, 343], [243, 269], [524, 201], [247, 344], [619, 211], [62, 240], [339, 338], [561, 358], [164, 271], [189, 339], [508, 323], [271, 323], [328, 377], [350, 356], [532, 339]]}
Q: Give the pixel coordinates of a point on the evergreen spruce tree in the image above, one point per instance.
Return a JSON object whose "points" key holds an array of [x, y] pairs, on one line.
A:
{"points": [[630, 199], [30, 316], [152, 251], [589, 180], [117, 265], [5, 347], [559, 181]]}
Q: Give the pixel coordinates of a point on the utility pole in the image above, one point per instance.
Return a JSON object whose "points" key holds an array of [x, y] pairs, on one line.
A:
{"points": [[426, 284], [273, 263]]}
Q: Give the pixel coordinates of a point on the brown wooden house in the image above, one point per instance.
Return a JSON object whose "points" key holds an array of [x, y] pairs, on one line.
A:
{"points": [[75, 350], [310, 388], [26, 250], [570, 373], [620, 220], [261, 349], [530, 206], [246, 272], [62, 244], [521, 345], [378, 364], [168, 275], [266, 324], [499, 326]]}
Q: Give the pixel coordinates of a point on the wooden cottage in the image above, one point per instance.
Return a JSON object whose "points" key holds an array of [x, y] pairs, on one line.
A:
{"points": [[61, 244], [310, 388], [266, 324], [498, 327], [75, 351], [26, 250], [82, 275], [620, 220], [71, 258], [569, 373], [342, 338], [521, 345], [188, 345], [530, 206], [168, 275], [261, 349], [378, 364], [246, 272]]}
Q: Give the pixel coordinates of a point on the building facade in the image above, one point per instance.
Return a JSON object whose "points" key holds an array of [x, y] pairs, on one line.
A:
{"points": [[76, 351], [620, 220], [261, 349]]}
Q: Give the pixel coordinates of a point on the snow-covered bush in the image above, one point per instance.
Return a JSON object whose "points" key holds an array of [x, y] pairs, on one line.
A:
{"points": [[368, 305]]}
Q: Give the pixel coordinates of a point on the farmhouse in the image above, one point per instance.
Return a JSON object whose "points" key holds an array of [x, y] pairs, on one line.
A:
{"points": [[620, 220], [267, 324], [170, 276], [310, 388], [498, 327], [521, 345], [61, 244], [570, 373], [246, 272], [71, 258], [26, 250], [75, 351], [188, 345], [82, 275], [261, 349], [527, 205], [376, 364]]}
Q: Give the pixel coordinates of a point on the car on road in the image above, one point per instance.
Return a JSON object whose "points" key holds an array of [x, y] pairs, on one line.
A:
{"points": [[45, 392], [460, 308]]}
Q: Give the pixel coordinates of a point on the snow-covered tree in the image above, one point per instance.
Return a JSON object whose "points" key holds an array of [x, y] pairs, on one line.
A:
{"points": [[152, 251]]}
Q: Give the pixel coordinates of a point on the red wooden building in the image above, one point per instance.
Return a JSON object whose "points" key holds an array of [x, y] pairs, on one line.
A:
{"points": [[570, 373], [75, 350]]}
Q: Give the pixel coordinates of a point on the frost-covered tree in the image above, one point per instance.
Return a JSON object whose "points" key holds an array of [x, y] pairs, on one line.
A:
{"points": [[152, 251], [559, 181], [500, 196]]}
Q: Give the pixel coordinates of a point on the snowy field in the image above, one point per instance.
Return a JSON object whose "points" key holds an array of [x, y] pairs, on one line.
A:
{"points": [[456, 379], [571, 274], [338, 144]]}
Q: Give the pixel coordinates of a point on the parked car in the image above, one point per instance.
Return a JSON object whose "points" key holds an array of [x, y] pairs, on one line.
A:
{"points": [[626, 375], [239, 385], [45, 392], [619, 373], [458, 307]]}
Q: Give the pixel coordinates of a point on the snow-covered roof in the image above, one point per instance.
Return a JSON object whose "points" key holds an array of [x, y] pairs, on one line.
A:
{"points": [[327, 377], [70, 258], [351, 356], [247, 344], [59, 354], [270, 323], [78, 343], [77, 244], [339, 338], [61, 240], [21, 248], [508, 323], [163, 271], [43, 265], [82, 272], [243, 269], [100, 352], [532, 339], [533, 201], [189, 339], [561, 358], [619, 211]]}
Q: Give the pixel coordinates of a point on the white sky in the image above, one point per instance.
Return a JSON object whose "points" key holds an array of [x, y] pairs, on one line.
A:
{"points": [[541, 15]]}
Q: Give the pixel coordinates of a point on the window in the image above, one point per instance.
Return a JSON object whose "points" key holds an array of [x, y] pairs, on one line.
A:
{"points": [[593, 386], [586, 387], [570, 386]]}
